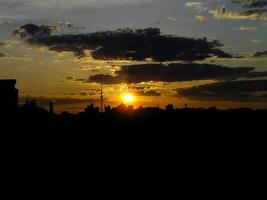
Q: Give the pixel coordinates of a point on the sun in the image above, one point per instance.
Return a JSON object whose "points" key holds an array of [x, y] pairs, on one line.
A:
{"points": [[128, 98]]}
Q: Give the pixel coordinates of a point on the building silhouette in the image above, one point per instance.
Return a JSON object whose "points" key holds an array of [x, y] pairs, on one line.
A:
{"points": [[51, 107], [8, 95], [90, 109], [33, 104], [108, 109], [169, 108], [130, 109], [121, 108]]}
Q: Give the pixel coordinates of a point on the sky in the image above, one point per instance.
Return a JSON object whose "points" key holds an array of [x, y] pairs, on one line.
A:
{"points": [[202, 53]]}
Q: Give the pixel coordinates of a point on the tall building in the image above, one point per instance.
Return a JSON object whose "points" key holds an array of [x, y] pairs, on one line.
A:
{"points": [[8, 95]]}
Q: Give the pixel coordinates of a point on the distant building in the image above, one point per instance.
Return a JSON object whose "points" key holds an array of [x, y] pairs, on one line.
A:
{"points": [[51, 107], [107, 109], [121, 108], [33, 104], [169, 108], [90, 109], [130, 109], [140, 108], [8, 95], [97, 109]]}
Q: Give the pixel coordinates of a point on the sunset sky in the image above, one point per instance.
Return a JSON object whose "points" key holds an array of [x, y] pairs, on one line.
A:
{"points": [[202, 53]]}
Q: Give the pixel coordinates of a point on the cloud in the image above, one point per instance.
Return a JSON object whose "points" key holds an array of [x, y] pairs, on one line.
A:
{"points": [[32, 32], [4, 44], [259, 54], [6, 22], [151, 93], [201, 18], [145, 91], [3, 55], [15, 57], [255, 14], [194, 3], [175, 72], [124, 44], [251, 3], [248, 9], [197, 5], [246, 28], [172, 19], [256, 41], [83, 93], [237, 91], [66, 24], [69, 78]]}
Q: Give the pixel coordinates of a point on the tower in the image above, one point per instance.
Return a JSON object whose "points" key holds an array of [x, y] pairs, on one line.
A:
{"points": [[101, 99]]}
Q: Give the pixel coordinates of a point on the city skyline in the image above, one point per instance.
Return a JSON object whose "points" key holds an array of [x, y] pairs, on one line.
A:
{"points": [[201, 53]]}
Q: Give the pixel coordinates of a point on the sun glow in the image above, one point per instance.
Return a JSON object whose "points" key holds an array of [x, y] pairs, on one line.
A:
{"points": [[128, 98]]}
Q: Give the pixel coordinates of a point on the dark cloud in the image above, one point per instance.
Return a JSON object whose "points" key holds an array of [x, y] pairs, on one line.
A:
{"points": [[124, 44], [175, 72], [250, 9], [81, 80], [83, 93], [3, 55], [138, 88], [33, 32], [151, 93], [260, 12], [251, 3], [72, 79], [89, 93], [260, 54], [69, 78], [239, 91], [255, 8], [254, 14]]}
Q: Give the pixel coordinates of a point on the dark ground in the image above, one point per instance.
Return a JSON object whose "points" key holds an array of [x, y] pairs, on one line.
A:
{"points": [[142, 140]]}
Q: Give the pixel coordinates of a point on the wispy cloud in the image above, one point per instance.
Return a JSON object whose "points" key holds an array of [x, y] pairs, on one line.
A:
{"points": [[246, 28]]}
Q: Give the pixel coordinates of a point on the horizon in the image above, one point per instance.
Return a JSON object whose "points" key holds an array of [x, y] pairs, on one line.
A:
{"points": [[60, 104], [147, 53]]}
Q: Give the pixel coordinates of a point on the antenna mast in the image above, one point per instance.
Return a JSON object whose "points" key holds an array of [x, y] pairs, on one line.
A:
{"points": [[101, 99]]}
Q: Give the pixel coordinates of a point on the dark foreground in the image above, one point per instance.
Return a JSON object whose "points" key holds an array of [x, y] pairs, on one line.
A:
{"points": [[38, 140]]}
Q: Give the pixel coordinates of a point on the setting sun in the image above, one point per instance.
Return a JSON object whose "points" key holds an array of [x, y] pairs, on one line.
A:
{"points": [[128, 98]]}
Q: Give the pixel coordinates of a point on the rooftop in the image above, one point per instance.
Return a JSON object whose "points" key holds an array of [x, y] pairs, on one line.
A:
{"points": [[8, 81]]}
